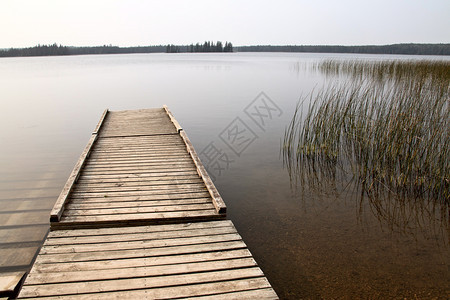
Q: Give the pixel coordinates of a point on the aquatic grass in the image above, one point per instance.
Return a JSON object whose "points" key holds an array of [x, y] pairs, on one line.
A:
{"points": [[388, 70], [387, 129]]}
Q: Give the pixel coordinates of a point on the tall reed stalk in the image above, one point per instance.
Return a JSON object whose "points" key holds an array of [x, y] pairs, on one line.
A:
{"points": [[388, 127]]}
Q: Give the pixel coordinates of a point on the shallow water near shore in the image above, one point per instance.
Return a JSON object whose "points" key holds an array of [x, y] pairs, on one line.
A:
{"points": [[310, 243]]}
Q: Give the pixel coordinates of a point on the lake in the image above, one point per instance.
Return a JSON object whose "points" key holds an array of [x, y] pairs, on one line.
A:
{"points": [[310, 244]]}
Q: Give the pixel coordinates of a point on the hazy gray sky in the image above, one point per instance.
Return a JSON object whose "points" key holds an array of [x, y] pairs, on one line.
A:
{"points": [[138, 22]]}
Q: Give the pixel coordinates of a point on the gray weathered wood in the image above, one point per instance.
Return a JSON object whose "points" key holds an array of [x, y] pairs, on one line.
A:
{"points": [[121, 263], [123, 204], [141, 271], [137, 210], [180, 215], [99, 125], [217, 199], [58, 208], [138, 233], [182, 291], [174, 121], [260, 294], [139, 229], [143, 252], [136, 236], [151, 197], [73, 288], [139, 244]]}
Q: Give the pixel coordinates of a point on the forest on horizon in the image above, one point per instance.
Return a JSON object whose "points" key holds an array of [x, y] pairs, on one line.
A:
{"points": [[55, 49]]}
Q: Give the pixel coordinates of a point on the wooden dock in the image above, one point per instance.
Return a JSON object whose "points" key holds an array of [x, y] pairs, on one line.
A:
{"points": [[139, 217]]}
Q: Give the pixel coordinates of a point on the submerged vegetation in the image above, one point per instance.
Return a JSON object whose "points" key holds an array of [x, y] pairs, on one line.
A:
{"points": [[385, 126]]}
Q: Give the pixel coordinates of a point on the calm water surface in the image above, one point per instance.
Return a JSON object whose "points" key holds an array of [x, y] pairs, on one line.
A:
{"points": [[309, 244]]}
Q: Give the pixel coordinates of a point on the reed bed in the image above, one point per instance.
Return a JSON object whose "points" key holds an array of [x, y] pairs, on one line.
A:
{"points": [[387, 128]]}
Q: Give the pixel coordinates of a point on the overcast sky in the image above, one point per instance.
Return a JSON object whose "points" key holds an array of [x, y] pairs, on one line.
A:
{"points": [[25, 23]]}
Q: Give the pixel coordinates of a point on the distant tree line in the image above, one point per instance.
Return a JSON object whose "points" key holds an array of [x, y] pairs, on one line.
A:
{"points": [[39, 50], [409, 49], [205, 47], [46, 50]]}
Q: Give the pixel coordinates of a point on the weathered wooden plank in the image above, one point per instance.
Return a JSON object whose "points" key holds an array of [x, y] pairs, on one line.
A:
{"points": [[119, 130], [103, 153], [142, 271], [162, 140], [176, 215], [138, 156], [160, 126], [135, 236], [132, 158], [149, 172], [148, 168], [195, 184], [136, 181], [153, 139], [143, 171], [139, 229], [47, 251], [138, 131], [136, 219], [130, 180], [102, 257], [217, 199], [58, 208], [138, 121], [138, 153], [139, 117], [156, 142], [135, 163], [144, 138], [120, 144], [187, 188], [122, 204], [138, 176], [74, 288], [113, 195], [102, 119], [182, 291], [120, 263], [133, 182], [174, 121], [136, 210], [140, 146], [166, 195], [263, 293], [143, 166]]}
